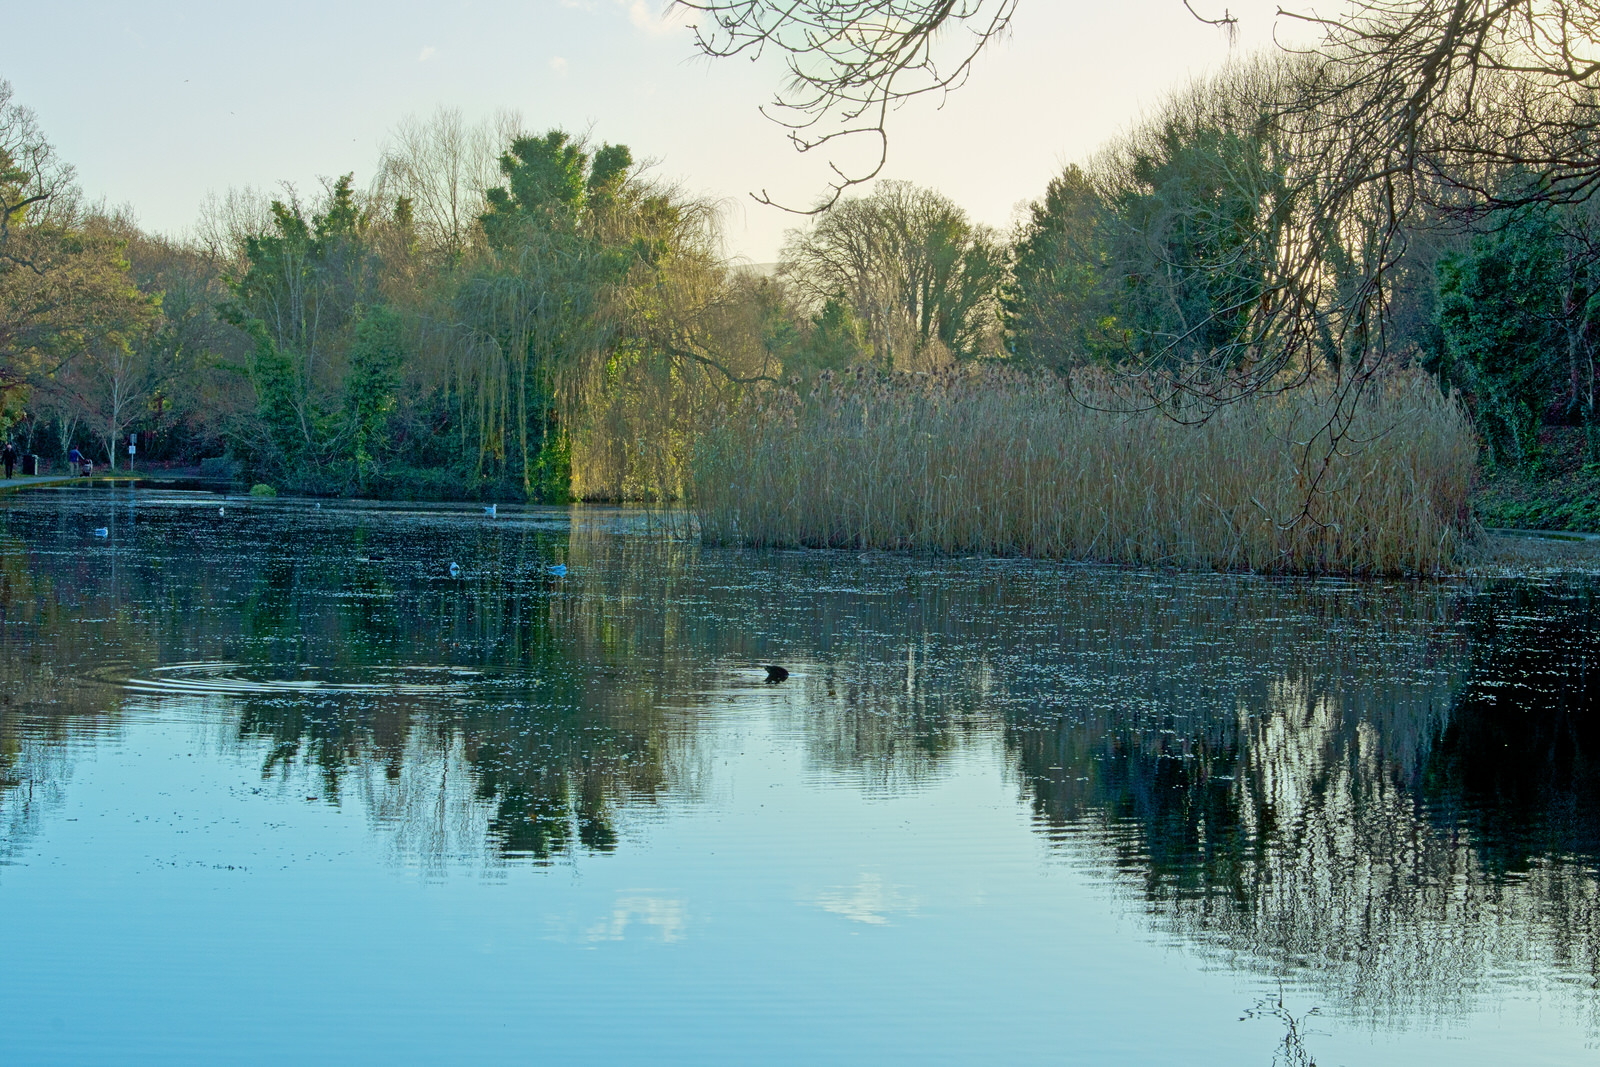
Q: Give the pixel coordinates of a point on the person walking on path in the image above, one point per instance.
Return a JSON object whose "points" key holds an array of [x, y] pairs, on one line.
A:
{"points": [[11, 459]]}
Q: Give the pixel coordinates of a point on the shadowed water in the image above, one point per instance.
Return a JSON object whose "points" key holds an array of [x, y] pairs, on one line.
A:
{"points": [[272, 780]]}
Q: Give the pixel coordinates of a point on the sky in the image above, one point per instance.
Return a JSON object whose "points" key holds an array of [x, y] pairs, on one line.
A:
{"points": [[159, 103]]}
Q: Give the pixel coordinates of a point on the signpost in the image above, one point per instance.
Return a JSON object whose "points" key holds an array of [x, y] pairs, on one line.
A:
{"points": [[133, 446]]}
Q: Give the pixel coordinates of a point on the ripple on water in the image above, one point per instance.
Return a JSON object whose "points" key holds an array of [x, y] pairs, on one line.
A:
{"points": [[214, 677]]}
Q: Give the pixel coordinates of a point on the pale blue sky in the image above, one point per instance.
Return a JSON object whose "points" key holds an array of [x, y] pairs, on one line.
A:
{"points": [[157, 103]]}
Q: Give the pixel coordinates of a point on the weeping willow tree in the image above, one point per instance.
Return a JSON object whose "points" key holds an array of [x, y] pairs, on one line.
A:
{"points": [[539, 303], [593, 330]]}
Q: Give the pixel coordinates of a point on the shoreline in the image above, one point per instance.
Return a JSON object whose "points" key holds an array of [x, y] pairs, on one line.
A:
{"points": [[1501, 550], [29, 481]]}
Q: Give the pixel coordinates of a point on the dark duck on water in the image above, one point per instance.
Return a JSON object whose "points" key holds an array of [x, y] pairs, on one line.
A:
{"points": [[775, 674]]}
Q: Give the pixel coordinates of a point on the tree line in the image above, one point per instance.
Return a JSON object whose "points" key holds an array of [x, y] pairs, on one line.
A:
{"points": [[1397, 135], [495, 314], [498, 313]]}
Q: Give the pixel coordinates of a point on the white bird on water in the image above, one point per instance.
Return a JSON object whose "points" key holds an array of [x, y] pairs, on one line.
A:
{"points": [[455, 570], [559, 570], [102, 532], [489, 511]]}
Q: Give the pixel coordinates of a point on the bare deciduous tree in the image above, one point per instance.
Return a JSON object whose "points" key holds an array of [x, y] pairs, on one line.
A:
{"points": [[229, 220], [34, 182], [910, 264], [851, 61], [1454, 93], [443, 165]]}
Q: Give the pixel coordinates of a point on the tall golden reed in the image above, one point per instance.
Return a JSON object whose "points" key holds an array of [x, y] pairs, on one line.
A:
{"points": [[997, 462]]}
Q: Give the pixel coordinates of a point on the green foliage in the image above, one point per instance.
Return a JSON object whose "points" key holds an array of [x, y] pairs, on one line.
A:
{"points": [[837, 339], [272, 373], [1516, 327], [262, 489], [1161, 256], [545, 300], [1059, 305], [177, 402], [299, 295], [73, 331], [325, 347], [443, 482], [607, 172], [304, 278], [551, 475], [1192, 238], [14, 198], [370, 386], [550, 181], [1562, 494], [833, 339], [577, 316]]}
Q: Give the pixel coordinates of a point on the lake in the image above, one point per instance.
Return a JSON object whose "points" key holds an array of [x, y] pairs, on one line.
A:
{"points": [[276, 786]]}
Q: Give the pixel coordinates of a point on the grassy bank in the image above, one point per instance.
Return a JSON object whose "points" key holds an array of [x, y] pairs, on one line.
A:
{"points": [[1559, 489], [1569, 501], [1000, 463]]}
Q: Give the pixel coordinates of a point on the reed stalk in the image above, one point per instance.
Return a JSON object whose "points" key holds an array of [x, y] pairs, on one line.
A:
{"points": [[991, 461]]}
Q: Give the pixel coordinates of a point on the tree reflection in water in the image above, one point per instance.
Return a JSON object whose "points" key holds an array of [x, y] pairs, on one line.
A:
{"points": [[47, 708], [531, 755], [1382, 826], [1390, 788]]}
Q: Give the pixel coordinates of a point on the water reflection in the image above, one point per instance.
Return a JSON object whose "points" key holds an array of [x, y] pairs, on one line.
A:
{"points": [[46, 709], [1390, 790]]}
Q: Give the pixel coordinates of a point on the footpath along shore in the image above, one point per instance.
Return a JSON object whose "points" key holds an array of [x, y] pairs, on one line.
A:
{"points": [[22, 482]]}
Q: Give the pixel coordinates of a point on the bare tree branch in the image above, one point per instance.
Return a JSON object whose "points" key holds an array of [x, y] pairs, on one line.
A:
{"points": [[1229, 23], [850, 62]]}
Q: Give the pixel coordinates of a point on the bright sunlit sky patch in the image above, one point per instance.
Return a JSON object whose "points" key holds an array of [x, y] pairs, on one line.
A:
{"points": [[159, 102]]}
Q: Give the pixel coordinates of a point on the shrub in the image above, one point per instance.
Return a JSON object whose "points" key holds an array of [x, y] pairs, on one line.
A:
{"points": [[262, 489]]}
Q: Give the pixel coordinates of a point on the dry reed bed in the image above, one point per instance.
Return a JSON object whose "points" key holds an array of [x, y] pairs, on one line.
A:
{"points": [[1000, 463]]}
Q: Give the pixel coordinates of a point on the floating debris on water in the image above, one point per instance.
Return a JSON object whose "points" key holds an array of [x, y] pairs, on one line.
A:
{"points": [[455, 570], [101, 531]]}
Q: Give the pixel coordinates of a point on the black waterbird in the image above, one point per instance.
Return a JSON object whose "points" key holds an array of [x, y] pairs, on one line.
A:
{"points": [[775, 673]]}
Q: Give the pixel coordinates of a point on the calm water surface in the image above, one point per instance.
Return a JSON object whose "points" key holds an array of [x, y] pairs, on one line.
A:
{"points": [[274, 786]]}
